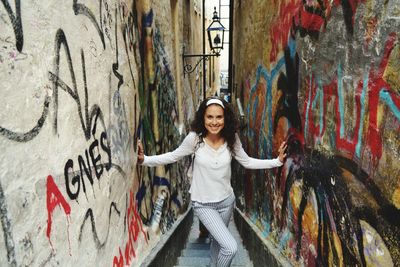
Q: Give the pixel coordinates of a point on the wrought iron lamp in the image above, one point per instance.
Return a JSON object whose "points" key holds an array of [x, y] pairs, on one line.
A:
{"points": [[215, 34]]}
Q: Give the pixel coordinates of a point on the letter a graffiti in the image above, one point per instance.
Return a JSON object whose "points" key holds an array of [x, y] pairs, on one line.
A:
{"points": [[54, 198]]}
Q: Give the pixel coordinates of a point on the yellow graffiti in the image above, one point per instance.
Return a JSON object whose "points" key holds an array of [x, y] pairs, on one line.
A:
{"points": [[375, 250], [396, 197], [391, 74]]}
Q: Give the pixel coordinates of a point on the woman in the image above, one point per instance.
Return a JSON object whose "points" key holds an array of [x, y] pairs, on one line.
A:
{"points": [[213, 141]]}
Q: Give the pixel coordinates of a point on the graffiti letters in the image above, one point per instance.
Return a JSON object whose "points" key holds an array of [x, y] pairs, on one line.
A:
{"points": [[85, 166], [95, 111], [374, 88], [54, 199], [135, 228]]}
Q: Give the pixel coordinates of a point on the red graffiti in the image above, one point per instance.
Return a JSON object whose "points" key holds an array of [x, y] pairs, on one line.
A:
{"points": [[135, 227], [119, 262], [54, 199], [280, 29], [308, 17], [373, 135], [331, 94], [310, 21], [376, 84]]}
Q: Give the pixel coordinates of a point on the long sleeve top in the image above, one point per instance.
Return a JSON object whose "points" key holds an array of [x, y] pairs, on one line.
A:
{"points": [[211, 181]]}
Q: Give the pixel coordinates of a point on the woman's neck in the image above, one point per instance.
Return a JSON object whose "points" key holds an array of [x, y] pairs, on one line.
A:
{"points": [[214, 139]]}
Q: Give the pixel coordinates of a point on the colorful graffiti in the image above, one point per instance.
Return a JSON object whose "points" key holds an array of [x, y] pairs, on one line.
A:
{"points": [[78, 92], [159, 129], [335, 201], [308, 18]]}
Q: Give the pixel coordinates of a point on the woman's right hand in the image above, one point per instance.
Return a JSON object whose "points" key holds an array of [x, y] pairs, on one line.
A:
{"points": [[140, 152], [282, 152]]}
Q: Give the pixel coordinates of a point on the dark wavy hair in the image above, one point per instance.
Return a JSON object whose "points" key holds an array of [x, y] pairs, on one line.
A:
{"points": [[230, 122]]}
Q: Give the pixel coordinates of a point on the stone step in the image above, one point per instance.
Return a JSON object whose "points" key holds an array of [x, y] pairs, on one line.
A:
{"points": [[241, 256], [198, 246], [207, 265], [232, 265], [194, 261], [198, 240], [195, 253], [197, 250]]}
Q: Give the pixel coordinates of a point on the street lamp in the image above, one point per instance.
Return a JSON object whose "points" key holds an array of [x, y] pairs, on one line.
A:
{"points": [[215, 34]]}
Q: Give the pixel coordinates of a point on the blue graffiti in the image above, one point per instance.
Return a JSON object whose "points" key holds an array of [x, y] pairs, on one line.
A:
{"points": [[319, 96], [267, 110], [308, 108], [385, 97], [363, 101]]}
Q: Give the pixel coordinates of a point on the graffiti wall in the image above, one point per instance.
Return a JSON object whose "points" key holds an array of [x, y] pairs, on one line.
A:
{"points": [[80, 82], [326, 81]]}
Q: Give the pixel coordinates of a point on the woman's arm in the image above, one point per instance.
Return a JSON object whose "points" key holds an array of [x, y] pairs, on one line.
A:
{"points": [[253, 163], [186, 148]]}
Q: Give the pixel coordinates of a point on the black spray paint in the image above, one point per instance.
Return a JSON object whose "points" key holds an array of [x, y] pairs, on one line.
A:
{"points": [[16, 22], [89, 214], [81, 9], [95, 111], [7, 232]]}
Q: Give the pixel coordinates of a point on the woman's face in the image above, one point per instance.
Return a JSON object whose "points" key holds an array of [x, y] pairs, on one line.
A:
{"points": [[214, 119]]}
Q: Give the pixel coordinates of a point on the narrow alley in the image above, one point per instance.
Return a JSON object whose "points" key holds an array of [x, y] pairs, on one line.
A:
{"points": [[301, 139]]}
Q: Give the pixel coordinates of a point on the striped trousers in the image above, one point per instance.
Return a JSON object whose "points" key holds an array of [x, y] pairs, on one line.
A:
{"points": [[215, 216]]}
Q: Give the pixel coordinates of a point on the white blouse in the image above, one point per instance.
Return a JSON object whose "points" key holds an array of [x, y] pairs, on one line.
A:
{"points": [[211, 180]]}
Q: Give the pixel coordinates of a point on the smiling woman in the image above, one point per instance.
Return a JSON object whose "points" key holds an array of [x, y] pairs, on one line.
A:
{"points": [[213, 142], [214, 123]]}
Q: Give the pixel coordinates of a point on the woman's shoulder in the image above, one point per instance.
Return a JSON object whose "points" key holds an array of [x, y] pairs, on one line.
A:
{"points": [[192, 133], [192, 136]]}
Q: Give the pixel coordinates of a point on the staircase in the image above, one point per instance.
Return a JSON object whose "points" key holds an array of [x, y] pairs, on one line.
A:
{"points": [[197, 250]]}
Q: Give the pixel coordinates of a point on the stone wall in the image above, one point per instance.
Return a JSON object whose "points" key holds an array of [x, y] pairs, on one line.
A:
{"points": [[324, 76], [80, 82]]}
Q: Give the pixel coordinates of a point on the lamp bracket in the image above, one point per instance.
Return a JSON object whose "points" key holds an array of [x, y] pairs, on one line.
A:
{"points": [[189, 68]]}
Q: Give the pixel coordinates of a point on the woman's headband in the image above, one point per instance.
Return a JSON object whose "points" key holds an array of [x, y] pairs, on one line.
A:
{"points": [[215, 101]]}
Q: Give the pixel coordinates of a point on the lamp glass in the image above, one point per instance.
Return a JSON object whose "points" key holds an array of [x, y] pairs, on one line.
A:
{"points": [[216, 37]]}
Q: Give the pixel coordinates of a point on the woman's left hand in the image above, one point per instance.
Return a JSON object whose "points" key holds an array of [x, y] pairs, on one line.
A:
{"points": [[282, 151], [140, 151]]}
